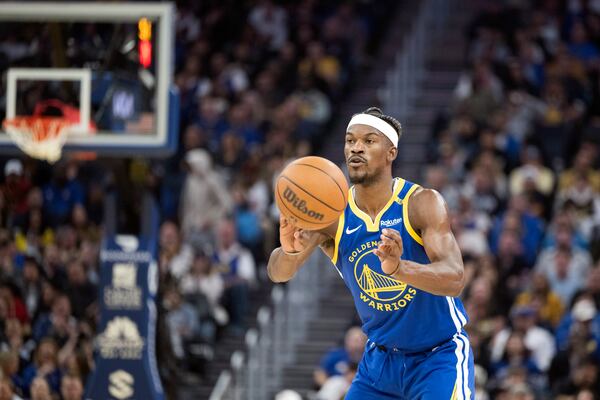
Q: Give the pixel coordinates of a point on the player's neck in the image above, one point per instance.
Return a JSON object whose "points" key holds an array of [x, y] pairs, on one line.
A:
{"points": [[373, 197]]}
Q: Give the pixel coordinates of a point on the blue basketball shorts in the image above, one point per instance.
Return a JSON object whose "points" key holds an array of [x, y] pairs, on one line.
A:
{"points": [[444, 372]]}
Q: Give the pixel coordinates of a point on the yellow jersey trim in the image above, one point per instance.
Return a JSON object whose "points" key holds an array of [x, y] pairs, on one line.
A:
{"points": [[338, 237], [453, 397], [373, 226], [407, 224]]}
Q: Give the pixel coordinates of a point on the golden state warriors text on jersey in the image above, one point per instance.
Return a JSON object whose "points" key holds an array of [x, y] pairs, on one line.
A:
{"points": [[378, 290], [393, 313]]}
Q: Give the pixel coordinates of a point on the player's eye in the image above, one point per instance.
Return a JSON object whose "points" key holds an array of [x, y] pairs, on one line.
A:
{"points": [[349, 141], [370, 141]]}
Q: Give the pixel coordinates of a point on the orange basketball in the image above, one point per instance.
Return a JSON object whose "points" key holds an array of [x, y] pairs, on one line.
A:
{"points": [[311, 192]]}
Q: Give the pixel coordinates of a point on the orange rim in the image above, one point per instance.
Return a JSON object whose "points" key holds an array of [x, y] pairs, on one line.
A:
{"points": [[38, 128]]}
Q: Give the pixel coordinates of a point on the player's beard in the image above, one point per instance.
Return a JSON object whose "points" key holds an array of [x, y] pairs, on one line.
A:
{"points": [[363, 177]]}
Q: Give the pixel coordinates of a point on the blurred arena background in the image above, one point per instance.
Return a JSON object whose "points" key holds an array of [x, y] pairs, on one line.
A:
{"points": [[134, 267]]}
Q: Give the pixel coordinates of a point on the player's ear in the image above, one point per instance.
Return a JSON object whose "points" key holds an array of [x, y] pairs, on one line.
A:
{"points": [[392, 153]]}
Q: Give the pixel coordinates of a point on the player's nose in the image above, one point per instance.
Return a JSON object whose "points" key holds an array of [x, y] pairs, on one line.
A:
{"points": [[357, 148]]}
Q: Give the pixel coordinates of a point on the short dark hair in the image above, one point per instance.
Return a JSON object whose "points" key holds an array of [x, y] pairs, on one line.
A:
{"points": [[376, 112]]}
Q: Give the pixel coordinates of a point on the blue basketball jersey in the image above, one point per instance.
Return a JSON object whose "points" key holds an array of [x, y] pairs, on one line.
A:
{"points": [[394, 314]]}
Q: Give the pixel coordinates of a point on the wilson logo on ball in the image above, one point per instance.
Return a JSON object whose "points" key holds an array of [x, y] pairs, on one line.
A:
{"points": [[300, 204]]}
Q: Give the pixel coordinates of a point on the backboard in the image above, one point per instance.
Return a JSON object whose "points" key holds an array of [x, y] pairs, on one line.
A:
{"points": [[110, 64]]}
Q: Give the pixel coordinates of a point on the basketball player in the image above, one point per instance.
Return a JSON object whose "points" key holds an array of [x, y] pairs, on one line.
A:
{"points": [[396, 253]]}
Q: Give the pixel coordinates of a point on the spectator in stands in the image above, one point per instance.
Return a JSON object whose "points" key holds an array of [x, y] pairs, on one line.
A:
{"points": [[481, 188], [337, 361], [7, 390], [345, 33], [322, 66], [563, 222], [537, 339], [15, 306], [248, 221], [84, 228], [13, 339], [175, 256], [583, 165], [567, 370], [31, 285], [580, 45], [544, 300], [563, 277], [40, 390], [270, 21], [67, 241], [45, 364], [584, 377], [57, 323], [15, 190], [436, 177], [519, 219], [182, 321], [336, 387], [580, 199], [204, 200], [203, 286], [71, 388], [479, 92], [479, 302], [89, 256], [515, 355], [288, 395], [481, 379], [238, 269], [314, 108], [580, 329], [53, 266], [9, 366], [230, 156], [80, 290], [49, 294], [531, 175], [564, 265], [62, 194], [555, 123], [211, 119], [242, 126], [511, 266], [593, 284]]}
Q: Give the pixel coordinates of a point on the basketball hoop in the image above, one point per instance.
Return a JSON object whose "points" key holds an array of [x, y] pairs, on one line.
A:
{"points": [[39, 136]]}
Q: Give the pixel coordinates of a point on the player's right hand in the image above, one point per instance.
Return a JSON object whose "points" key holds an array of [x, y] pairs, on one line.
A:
{"points": [[294, 239]]}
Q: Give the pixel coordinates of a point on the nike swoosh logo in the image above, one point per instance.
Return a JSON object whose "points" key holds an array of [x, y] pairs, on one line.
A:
{"points": [[349, 231]]}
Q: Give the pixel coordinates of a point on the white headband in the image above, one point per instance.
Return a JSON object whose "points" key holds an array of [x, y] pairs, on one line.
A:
{"points": [[377, 123]]}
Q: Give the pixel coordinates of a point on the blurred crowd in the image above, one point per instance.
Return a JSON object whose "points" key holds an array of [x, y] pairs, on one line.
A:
{"points": [[258, 83], [49, 243], [517, 159]]}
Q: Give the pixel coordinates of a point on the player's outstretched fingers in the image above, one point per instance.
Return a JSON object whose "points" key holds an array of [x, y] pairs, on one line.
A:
{"points": [[379, 254], [393, 235], [387, 244], [383, 250]]}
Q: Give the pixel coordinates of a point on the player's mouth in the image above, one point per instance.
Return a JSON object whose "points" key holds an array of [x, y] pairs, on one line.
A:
{"points": [[356, 161]]}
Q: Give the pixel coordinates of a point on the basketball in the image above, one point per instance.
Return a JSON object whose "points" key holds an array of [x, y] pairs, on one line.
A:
{"points": [[311, 192]]}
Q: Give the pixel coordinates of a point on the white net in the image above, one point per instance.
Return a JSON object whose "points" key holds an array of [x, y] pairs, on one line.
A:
{"points": [[40, 137]]}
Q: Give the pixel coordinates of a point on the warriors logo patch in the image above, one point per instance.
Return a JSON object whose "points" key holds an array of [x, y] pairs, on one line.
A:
{"points": [[378, 290]]}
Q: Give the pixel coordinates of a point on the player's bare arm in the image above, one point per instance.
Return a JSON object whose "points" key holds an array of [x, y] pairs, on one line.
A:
{"points": [[296, 246], [428, 215]]}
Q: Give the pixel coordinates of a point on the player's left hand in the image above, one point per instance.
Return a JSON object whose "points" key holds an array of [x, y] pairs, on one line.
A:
{"points": [[389, 250]]}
